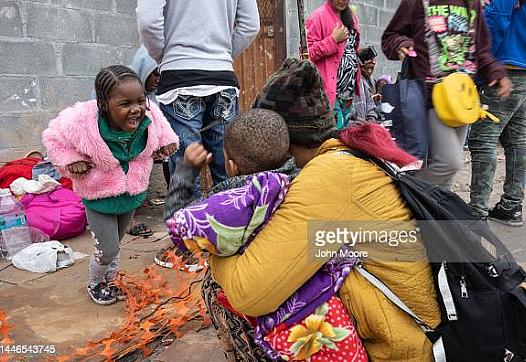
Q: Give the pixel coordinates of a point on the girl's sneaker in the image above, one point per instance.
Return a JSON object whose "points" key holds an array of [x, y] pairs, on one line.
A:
{"points": [[117, 292], [101, 294]]}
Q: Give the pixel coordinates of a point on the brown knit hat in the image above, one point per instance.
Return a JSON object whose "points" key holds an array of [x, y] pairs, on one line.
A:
{"points": [[296, 92]]}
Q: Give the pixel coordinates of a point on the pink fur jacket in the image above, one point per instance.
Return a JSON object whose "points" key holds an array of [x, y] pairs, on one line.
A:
{"points": [[74, 136]]}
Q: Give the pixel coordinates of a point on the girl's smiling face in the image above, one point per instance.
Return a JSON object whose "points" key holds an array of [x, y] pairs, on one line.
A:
{"points": [[126, 105]]}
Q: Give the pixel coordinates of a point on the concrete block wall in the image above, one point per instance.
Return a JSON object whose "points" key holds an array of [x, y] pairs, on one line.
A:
{"points": [[50, 52], [373, 16]]}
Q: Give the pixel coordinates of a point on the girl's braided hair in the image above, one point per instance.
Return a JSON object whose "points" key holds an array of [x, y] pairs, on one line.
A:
{"points": [[108, 78]]}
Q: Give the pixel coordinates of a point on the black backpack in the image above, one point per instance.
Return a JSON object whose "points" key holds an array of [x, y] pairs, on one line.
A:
{"points": [[483, 311]]}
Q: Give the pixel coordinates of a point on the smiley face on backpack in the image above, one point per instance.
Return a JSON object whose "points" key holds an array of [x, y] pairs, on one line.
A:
{"points": [[457, 101]]}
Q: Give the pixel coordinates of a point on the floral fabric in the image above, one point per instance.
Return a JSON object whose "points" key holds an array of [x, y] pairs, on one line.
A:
{"points": [[315, 292], [326, 335], [224, 223]]}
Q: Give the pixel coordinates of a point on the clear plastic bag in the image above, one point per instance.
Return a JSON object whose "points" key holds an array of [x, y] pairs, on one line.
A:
{"points": [[13, 240], [37, 236], [44, 257]]}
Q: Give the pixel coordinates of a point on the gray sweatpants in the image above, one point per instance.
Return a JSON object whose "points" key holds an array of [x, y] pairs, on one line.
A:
{"points": [[446, 145], [107, 231]]}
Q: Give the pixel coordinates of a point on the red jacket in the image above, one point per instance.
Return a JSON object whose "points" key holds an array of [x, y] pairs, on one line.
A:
{"points": [[23, 168]]}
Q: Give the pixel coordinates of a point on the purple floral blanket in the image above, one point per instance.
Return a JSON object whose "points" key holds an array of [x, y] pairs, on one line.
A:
{"points": [[225, 223]]}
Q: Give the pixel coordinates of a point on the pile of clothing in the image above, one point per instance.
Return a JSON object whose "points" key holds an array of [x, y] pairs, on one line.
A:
{"points": [[49, 202]]}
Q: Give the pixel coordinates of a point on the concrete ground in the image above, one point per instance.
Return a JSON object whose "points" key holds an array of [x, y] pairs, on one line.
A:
{"points": [[54, 309]]}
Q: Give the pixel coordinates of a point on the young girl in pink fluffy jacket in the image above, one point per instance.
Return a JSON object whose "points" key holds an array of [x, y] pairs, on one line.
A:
{"points": [[107, 146]]}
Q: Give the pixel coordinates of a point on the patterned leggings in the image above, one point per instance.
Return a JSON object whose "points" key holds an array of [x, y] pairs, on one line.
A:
{"points": [[107, 231], [235, 334]]}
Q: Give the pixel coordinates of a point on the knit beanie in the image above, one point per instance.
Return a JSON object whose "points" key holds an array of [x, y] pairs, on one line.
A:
{"points": [[296, 92]]}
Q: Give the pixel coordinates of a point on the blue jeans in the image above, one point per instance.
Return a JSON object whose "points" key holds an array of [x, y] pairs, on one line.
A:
{"points": [[189, 114], [511, 132]]}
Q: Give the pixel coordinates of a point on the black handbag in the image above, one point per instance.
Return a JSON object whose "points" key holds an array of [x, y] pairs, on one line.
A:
{"points": [[409, 114]]}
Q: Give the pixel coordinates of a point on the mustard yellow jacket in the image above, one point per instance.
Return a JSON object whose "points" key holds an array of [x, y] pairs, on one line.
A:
{"points": [[337, 187]]}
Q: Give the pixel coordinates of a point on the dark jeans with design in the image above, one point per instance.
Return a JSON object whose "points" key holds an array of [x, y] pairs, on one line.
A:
{"points": [[511, 131], [188, 115]]}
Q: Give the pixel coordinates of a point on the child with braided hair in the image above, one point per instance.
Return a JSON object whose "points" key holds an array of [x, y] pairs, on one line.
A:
{"points": [[107, 146]]}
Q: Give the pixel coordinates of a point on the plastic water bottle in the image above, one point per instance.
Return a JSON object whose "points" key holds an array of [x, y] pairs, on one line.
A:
{"points": [[14, 233]]}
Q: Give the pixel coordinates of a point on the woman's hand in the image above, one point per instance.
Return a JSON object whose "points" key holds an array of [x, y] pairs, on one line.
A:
{"points": [[505, 87], [79, 168], [403, 52], [340, 33]]}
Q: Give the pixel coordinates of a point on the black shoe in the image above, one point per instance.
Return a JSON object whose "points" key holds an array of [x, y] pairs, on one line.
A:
{"points": [[101, 294], [506, 215], [117, 292]]}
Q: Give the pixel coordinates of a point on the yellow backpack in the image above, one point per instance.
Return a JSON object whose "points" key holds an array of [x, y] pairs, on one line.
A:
{"points": [[457, 102]]}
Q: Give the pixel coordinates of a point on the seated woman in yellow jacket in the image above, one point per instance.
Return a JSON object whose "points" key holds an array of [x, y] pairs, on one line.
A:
{"points": [[332, 187]]}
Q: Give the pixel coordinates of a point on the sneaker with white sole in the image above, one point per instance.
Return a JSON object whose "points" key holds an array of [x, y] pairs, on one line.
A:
{"points": [[117, 292], [511, 216], [191, 262], [101, 294]]}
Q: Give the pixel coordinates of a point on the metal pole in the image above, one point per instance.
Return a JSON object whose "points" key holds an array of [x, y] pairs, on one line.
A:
{"points": [[304, 52]]}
